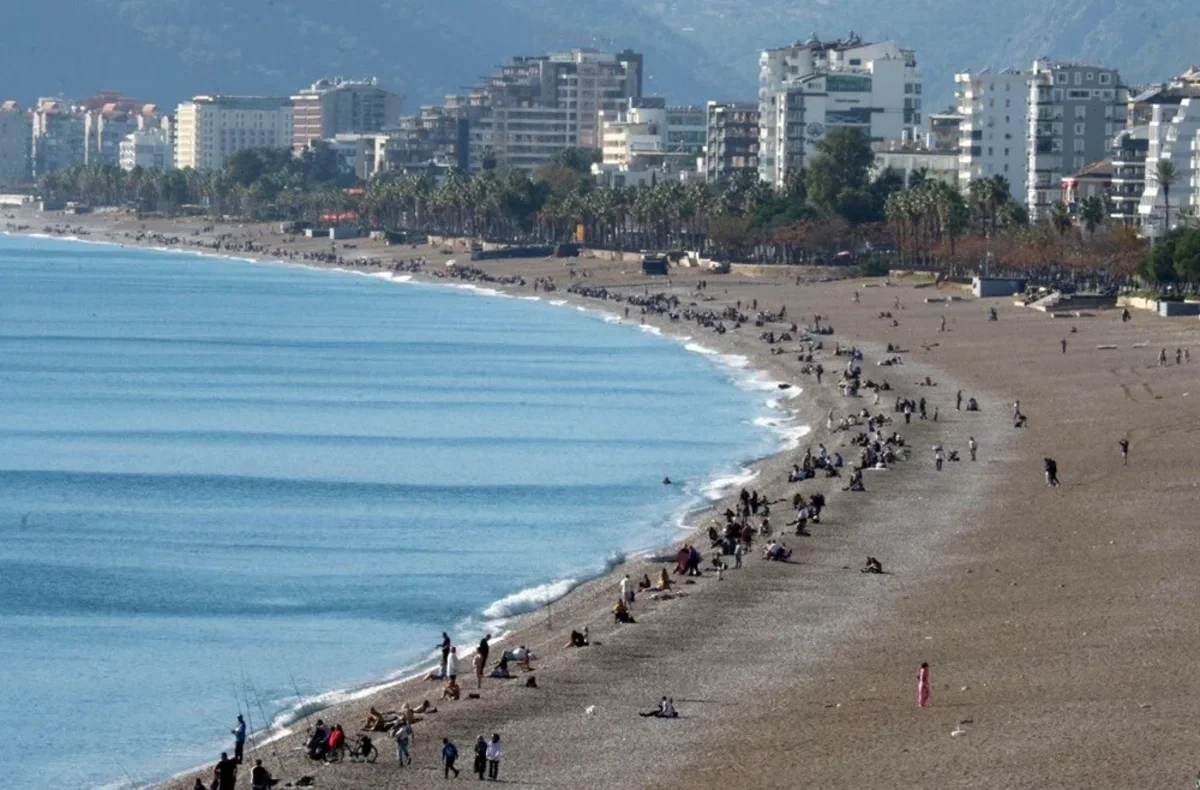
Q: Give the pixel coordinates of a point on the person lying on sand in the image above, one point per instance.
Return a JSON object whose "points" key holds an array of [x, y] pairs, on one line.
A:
{"points": [[578, 639], [777, 552]]}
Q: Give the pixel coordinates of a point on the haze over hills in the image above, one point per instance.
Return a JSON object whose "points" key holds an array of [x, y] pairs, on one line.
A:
{"points": [[168, 50]]}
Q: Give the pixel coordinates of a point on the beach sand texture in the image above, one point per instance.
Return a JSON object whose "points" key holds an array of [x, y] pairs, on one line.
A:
{"points": [[1060, 624]]}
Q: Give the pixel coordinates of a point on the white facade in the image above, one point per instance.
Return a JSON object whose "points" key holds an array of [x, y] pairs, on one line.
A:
{"points": [[994, 132], [647, 131], [1172, 136], [150, 149], [211, 128], [809, 88]]}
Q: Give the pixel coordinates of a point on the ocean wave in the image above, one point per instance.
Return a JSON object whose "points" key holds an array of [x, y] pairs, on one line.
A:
{"points": [[653, 330], [720, 487], [529, 599], [789, 433]]}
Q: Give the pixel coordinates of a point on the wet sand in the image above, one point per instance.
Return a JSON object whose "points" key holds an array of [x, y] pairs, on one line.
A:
{"points": [[1059, 623]]}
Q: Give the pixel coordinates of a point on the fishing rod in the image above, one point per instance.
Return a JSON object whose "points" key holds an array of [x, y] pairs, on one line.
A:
{"points": [[274, 749], [249, 719], [296, 688]]}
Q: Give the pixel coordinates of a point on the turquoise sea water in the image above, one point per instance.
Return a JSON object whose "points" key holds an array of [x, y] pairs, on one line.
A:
{"points": [[217, 477]]}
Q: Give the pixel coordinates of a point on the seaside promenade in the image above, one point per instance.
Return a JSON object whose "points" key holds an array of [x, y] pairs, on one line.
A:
{"points": [[1059, 623]]}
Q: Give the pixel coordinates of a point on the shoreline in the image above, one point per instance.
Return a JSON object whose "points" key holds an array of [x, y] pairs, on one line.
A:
{"points": [[683, 524], [1060, 623]]}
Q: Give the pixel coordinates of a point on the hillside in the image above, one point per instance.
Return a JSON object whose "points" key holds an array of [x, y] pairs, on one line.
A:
{"points": [[167, 50]]}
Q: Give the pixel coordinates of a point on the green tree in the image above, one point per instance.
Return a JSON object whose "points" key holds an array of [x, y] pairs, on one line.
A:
{"points": [[839, 170], [1186, 256]]}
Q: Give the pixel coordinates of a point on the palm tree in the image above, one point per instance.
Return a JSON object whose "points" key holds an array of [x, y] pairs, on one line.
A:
{"points": [[1092, 212], [1060, 218], [1165, 175]]}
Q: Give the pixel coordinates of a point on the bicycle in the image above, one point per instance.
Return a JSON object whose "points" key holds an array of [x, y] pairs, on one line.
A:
{"points": [[364, 749]]}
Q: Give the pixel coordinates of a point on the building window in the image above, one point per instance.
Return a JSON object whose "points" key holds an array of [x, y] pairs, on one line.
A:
{"points": [[1105, 78], [1079, 128], [1061, 78], [1091, 75]]}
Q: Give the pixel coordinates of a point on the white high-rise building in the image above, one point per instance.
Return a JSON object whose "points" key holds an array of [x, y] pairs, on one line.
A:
{"points": [[1075, 111], [995, 127], [1173, 135], [150, 149], [809, 88], [211, 128]]}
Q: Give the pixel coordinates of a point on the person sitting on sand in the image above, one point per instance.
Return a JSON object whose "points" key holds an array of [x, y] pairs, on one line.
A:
{"points": [[664, 580], [380, 722], [318, 742], [644, 584], [873, 566], [501, 669], [521, 655], [621, 613], [664, 710], [578, 639], [425, 707], [451, 690], [972, 404]]}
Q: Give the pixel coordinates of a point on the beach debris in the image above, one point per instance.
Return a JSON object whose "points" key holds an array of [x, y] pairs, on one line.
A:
{"points": [[964, 688], [590, 710], [958, 731]]}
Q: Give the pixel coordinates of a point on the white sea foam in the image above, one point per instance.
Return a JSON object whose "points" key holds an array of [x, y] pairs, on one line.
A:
{"points": [[402, 278], [558, 302], [651, 329], [529, 599], [719, 487], [790, 433]]}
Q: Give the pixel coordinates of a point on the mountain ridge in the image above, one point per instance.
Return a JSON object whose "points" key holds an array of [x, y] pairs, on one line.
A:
{"points": [[167, 50]]}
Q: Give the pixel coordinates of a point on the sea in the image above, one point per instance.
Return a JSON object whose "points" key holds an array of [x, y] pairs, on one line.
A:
{"points": [[229, 486]]}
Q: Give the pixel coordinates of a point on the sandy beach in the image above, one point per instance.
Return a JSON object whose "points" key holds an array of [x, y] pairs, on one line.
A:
{"points": [[1059, 623]]}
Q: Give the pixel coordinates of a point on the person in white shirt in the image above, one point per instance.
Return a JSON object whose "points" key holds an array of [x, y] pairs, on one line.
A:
{"points": [[452, 664], [626, 590], [494, 752]]}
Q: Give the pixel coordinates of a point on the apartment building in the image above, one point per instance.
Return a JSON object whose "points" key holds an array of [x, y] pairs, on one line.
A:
{"points": [[211, 128], [1075, 111], [148, 148], [731, 139], [1171, 115], [534, 107], [646, 131], [994, 130], [16, 142], [808, 88], [1129, 149], [330, 107], [57, 136]]}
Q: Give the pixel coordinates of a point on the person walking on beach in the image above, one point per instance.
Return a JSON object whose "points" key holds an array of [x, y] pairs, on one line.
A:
{"points": [[452, 664], [239, 739], [1124, 445], [958, 401], [478, 665], [938, 457], [923, 685], [480, 766], [973, 446], [403, 735], [494, 752], [1064, 345], [484, 648], [449, 755], [738, 551], [1051, 467], [1162, 357], [445, 651], [626, 590]]}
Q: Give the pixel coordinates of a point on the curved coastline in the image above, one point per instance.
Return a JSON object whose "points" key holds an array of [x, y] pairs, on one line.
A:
{"points": [[504, 616]]}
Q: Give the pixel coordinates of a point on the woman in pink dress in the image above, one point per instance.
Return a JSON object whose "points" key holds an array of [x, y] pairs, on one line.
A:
{"points": [[923, 685]]}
